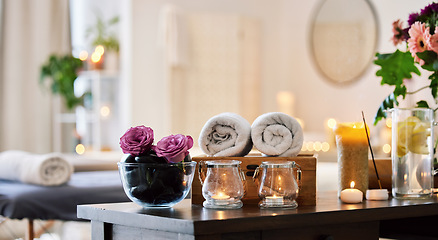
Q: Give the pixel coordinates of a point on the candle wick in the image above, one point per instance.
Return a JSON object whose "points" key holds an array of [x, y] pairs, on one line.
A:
{"points": [[371, 150]]}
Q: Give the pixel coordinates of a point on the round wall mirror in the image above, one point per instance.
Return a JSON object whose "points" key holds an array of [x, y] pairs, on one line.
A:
{"points": [[344, 39]]}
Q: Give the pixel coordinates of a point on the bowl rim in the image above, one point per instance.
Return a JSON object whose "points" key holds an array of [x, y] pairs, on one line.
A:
{"points": [[125, 164]]}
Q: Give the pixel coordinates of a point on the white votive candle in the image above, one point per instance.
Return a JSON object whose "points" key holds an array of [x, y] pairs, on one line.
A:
{"points": [[351, 195], [377, 194], [221, 199], [220, 196], [273, 200]]}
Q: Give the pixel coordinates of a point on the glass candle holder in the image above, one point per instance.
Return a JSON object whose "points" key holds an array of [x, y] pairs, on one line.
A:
{"points": [[352, 146], [222, 184], [277, 186]]}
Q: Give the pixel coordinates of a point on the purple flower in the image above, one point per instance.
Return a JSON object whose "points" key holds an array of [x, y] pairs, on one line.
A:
{"points": [[413, 18], [137, 140], [174, 148], [429, 9]]}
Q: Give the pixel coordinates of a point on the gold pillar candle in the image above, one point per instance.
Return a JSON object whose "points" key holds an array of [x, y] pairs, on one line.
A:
{"points": [[352, 145]]}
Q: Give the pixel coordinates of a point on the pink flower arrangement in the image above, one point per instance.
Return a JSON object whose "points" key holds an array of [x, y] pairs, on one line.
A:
{"points": [[419, 40], [138, 141], [421, 37]]}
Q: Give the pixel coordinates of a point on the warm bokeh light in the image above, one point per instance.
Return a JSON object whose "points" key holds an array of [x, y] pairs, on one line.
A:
{"points": [[309, 146], [105, 111], [325, 146], [95, 57], [99, 50], [80, 149], [388, 122], [83, 55], [331, 123], [386, 148], [317, 146]]}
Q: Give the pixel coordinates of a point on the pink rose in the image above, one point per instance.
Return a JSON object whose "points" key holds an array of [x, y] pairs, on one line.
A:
{"points": [[137, 140], [174, 148]]}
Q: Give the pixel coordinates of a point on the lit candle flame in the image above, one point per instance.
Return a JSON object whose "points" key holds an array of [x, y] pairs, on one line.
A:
{"points": [[352, 184]]}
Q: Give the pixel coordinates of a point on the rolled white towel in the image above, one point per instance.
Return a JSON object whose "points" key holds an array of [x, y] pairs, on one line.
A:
{"points": [[41, 169], [226, 135], [277, 134]]}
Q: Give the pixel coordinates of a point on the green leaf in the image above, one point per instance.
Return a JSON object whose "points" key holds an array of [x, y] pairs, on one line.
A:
{"points": [[400, 91], [422, 104], [429, 57], [61, 71], [388, 103], [434, 85], [395, 67]]}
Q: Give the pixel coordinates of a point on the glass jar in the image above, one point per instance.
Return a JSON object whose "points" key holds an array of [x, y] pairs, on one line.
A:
{"points": [[222, 184], [277, 186], [412, 153]]}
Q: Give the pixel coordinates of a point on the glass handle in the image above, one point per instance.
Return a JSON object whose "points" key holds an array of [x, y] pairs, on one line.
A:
{"points": [[242, 175], [243, 179], [299, 175], [256, 176], [201, 172]]}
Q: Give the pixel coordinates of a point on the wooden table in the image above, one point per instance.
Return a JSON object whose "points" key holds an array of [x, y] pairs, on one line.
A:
{"points": [[329, 219]]}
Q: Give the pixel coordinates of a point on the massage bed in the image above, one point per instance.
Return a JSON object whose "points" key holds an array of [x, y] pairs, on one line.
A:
{"points": [[27, 201]]}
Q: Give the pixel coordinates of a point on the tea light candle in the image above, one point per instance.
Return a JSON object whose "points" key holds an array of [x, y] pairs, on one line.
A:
{"points": [[221, 199], [220, 196], [274, 199], [351, 195], [377, 194]]}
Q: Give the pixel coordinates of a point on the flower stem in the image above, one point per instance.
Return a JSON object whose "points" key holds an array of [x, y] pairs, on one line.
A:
{"points": [[417, 90]]}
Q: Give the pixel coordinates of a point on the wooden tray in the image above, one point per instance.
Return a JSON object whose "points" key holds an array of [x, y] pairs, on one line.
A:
{"points": [[306, 196]]}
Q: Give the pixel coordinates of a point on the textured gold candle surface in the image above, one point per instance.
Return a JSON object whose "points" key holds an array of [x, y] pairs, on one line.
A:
{"points": [[352, 145]]}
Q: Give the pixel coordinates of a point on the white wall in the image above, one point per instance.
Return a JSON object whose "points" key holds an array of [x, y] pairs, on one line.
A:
{"points": [[317, 99], [286, 65]]}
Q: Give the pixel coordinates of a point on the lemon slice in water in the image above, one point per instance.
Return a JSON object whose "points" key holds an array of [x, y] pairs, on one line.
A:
{"points": [[412, 136]]}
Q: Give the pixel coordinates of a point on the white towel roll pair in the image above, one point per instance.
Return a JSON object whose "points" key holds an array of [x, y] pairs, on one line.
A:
{"points": [[230, 135], [41, 169]]}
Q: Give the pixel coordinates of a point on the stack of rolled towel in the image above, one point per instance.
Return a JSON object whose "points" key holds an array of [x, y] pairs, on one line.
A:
{"points": [[41, 169], [230, 135]]}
